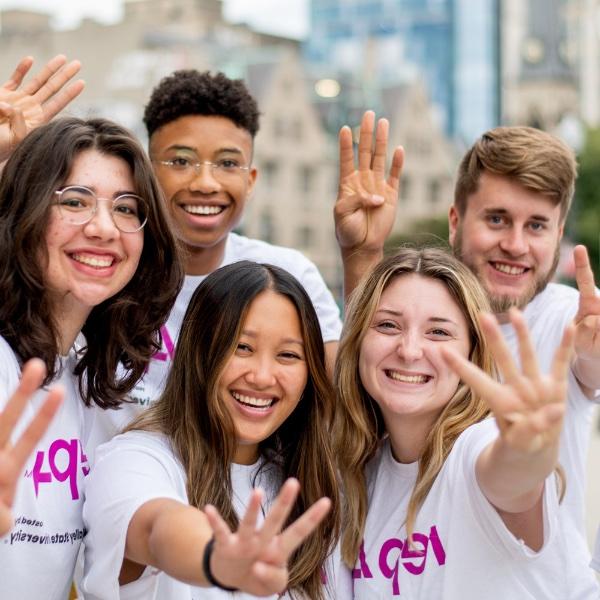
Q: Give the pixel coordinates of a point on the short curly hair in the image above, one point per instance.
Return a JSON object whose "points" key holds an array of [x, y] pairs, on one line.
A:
{"points": [[190, 92]]}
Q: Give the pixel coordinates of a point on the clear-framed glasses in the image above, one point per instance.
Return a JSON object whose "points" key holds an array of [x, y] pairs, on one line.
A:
{"points": [[223, 169], [78, 205]]}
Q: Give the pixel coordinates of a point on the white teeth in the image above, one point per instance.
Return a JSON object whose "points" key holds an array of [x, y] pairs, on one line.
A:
{"points": [[508, 269], [408, 378], [93, 261], [203, 210], [251, 401]]}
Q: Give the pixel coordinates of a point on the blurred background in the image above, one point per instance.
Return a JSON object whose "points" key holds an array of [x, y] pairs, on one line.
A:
{"points": [[442, 72]]}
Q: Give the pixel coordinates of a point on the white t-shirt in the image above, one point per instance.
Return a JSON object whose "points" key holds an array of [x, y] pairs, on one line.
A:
{"points": [[131, 470], [108, 423], [37, 557], [462, 549], [547, 315], [595, 563]]}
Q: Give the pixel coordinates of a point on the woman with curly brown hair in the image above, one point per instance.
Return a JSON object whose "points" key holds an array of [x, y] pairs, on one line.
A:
{"points": [[88, 274]]}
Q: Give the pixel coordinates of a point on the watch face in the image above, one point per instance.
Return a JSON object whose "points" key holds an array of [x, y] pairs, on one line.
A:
{"points": [[533, 50]]}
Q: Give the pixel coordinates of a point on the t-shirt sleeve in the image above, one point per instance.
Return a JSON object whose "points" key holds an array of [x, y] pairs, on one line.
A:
{"points": [[325, 306], [123, 479], [470, 445]]}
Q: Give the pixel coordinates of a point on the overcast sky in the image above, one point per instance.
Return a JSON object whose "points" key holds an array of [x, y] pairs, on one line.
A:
{"points": [[266, 15]]}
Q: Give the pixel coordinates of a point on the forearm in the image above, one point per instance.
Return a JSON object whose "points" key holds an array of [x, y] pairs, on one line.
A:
{"points": [[513, 481], [172, 538], [356, 265]]}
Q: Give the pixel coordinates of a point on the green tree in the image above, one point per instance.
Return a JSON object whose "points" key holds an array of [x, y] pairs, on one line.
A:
{"points": [[583, 225]]}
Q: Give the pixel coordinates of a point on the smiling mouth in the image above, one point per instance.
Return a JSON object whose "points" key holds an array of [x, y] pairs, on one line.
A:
{"points": [[195, 209], [407, 378], [253, 402], [508, 269], [94, 261]]}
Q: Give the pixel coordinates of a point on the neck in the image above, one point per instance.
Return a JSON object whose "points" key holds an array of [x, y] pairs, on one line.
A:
{"points": [[246, 454], [69, 321], [407, 437], [502, 318], [202, 261]]}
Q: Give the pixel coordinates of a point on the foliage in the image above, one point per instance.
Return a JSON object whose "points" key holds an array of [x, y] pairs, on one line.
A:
{"points": [[424, 232]]}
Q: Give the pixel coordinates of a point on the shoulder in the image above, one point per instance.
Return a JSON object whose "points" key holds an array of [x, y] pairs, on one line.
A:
{"points": [[243, 248], [554, 296]]}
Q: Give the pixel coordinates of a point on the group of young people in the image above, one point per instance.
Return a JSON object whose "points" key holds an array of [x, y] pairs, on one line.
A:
{"points": [[205, 427]]}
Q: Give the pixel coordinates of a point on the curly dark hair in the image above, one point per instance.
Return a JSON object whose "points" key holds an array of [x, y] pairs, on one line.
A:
{"points": [[123, 329], [189, 92]]}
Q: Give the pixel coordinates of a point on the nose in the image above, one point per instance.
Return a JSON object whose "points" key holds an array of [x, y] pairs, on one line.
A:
{"points": [[514, 242], [261, 373], [204, 180], [102, 225], [410, 347]]}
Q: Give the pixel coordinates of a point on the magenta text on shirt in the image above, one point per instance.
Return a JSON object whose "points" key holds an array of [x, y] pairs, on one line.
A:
{"points": [[168, 344], [64, 458], [395, 553]]}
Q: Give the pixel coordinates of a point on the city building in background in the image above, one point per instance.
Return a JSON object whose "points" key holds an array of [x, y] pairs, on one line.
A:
{"points": [[451, 45]]}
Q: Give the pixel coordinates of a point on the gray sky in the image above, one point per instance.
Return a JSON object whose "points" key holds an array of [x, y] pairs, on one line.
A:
{"points": [[266, 15]]}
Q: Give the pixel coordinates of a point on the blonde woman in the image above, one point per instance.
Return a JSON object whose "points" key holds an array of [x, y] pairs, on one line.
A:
{"points": [[440, 501]]}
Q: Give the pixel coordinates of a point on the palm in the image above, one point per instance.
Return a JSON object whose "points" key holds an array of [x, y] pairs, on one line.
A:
{"points": [[366, 205], [22, 109], [254, 559], [528, 406]]}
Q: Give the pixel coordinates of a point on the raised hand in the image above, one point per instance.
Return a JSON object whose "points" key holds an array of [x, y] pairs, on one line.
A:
{"points": [[528, 405], [254, 559], [366, 204], [25, 107], [587, 320], [13, 457]]}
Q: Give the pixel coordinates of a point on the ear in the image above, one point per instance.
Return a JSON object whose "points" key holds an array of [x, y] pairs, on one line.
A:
{"points": [[252, 175], [453, 220]]}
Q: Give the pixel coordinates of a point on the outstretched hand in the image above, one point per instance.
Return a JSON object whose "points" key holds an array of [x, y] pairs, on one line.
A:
{"points": [[366, 204], [587, 320], [254, 559], [13, 457], [25, 107], [528, 406]]}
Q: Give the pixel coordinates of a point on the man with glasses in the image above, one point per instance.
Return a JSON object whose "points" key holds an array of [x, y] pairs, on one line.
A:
{"points": [[201, 129]]}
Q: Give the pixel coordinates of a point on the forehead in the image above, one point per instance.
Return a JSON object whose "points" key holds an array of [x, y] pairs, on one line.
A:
{"points": [[273, 312], [500, 194], [205, 135], [98, 169], [422, 297]]}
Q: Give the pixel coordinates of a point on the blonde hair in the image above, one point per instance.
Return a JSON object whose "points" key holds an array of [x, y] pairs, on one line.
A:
{"points": [[538, 161], [358, 417]]}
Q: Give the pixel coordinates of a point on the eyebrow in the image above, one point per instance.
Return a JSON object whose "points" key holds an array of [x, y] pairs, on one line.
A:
{"points": [[503, 211], [95, 190], [194, 150], [396, 313], [253, 334]]}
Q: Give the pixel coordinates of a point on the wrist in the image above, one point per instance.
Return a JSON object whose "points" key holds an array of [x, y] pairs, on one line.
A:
{"points": [[208, 574]]}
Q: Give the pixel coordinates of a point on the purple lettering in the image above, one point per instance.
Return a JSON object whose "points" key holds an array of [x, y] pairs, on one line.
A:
{"points": [[169, 345], [387, 571], [40, 476], [363, 568], [70, 472], [436, 546], [410, 550]]}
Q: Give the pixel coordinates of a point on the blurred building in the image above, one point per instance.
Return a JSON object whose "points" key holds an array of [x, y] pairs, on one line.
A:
{"points": [[451, 45]]}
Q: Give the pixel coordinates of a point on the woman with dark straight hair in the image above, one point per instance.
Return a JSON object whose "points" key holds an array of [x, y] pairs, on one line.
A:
{"points": [[247, 403], [88, 274]]}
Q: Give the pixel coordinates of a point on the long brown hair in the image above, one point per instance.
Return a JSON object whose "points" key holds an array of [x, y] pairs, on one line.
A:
{"points": [[359, 426], [123, 329], [201, 430]]}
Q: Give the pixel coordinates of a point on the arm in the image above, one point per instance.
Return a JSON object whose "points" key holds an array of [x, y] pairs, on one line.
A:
{"points": [[25, 107], [365, 209], [13, 457], [586, 364], [529, 409], [172, 537]]}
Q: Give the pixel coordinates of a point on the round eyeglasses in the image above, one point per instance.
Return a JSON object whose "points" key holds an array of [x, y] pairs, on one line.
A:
{"points": [[223, 169], [78, 205]]}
